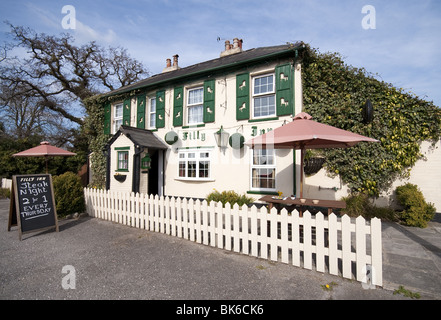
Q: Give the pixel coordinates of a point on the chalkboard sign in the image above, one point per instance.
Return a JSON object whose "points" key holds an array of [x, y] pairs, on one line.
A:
{"points": [[33, 201]]}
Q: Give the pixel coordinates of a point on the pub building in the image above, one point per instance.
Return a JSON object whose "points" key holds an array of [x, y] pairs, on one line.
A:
{"points": [[181, 133]]}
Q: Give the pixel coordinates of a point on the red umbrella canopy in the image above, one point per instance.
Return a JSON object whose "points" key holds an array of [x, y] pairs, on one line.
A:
{"points": [[45, 149], [305, 133]]}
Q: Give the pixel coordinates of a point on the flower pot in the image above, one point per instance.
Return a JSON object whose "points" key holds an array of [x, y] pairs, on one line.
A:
{"points": [[313, 165], [120, 177]]}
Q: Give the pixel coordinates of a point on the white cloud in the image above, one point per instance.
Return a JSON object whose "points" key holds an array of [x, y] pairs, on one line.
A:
{"points": [[85, 33]]}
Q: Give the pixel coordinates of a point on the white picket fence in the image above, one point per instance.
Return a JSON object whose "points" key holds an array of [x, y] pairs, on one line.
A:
{"points": [[352, 249]]}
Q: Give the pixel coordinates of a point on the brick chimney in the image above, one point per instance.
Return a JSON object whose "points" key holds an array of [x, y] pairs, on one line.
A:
{"points": [[169, 67], [232, 49]]}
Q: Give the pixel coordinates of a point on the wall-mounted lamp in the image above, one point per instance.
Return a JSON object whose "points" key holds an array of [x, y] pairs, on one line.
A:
{"points": [[368, 112], [145, 162], [221, 137]]}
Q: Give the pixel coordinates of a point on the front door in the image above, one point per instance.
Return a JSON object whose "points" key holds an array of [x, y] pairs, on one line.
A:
{"points": [[155, 174]]}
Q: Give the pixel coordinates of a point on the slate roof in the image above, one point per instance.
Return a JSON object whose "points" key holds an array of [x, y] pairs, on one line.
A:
{"points": [[142, 137], [209, 67]]}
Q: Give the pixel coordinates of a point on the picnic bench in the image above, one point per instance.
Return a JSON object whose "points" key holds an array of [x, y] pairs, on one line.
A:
{"points": [[289, 201]]}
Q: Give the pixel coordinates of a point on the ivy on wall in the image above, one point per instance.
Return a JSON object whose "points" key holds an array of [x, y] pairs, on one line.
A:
{"points": [[94, 130], [335, 93]]}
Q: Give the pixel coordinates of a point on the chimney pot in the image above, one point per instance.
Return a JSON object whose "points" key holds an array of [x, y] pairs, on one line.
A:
{"points": [[168, 65], [234, 48], [175, 60], [235, 43]]}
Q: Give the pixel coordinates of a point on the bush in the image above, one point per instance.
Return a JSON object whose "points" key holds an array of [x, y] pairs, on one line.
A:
{"points": [[5, 193], [358, 204], [417, 212], [69, 196], [229, 196]]}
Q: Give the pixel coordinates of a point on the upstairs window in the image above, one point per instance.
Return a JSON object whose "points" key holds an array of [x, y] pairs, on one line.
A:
{"points": [[152, 113], [117, 116], [264, 96], [195, 109]]}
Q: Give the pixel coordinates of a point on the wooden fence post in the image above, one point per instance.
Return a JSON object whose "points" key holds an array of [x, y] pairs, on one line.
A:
{"points": [[376, 252], [320, 242], [346, 246]]}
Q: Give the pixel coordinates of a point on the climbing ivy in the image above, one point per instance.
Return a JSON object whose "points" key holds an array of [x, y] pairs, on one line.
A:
{"points": [[335, 93], [94, 129]]}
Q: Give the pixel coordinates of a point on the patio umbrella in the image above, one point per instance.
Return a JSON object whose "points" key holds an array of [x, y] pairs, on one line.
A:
{"points": [[46, 150], [304, 133]]}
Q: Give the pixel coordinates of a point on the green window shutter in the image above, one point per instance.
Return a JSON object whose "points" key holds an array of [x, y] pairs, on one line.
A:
{"points": [[140, 112], [178, 103], [126, 112], [284, 90], [107, 114], [209, 106], [160, 109], [243, 96]]}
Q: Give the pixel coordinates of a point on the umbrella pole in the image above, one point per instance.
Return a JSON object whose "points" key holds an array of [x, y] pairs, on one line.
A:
{"points": [[46, 160], [302, 156]]}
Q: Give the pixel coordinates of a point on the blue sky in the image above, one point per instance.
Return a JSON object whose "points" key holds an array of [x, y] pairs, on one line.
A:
{"points": [[403, 49]]}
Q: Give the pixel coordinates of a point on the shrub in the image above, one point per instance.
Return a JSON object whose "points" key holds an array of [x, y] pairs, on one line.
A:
{"points": [[358, 204], [229, 196], [69, 196], [5, 193], [417, 212]]}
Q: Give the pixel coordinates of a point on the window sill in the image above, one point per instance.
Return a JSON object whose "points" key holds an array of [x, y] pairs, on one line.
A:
{"points": [[263, 119], [195, 179], [271, 193], [122, 170], [196, 125]]}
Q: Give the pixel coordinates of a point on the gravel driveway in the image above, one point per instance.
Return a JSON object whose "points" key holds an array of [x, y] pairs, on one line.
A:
{"points": [[105, 260]]}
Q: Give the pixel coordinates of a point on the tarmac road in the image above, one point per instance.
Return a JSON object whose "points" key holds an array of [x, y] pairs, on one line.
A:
{"points": [[112, 261]]}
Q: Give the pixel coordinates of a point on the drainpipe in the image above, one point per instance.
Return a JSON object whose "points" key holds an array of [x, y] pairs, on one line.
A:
{"points": [[107, 154], [136, 169]]}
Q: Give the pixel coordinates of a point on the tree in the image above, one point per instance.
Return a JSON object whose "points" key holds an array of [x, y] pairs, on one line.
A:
{"points": [[60, 74], [42, 95]]}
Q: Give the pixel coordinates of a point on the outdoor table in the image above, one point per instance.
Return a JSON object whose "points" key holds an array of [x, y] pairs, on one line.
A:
{"points": [[330, 204]]}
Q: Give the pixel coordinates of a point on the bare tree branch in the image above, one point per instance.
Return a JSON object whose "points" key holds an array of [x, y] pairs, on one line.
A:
{"points": [[58, 70]]}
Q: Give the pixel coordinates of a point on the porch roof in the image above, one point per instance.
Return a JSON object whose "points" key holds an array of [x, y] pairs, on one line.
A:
{"points": [[140, 137]]}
